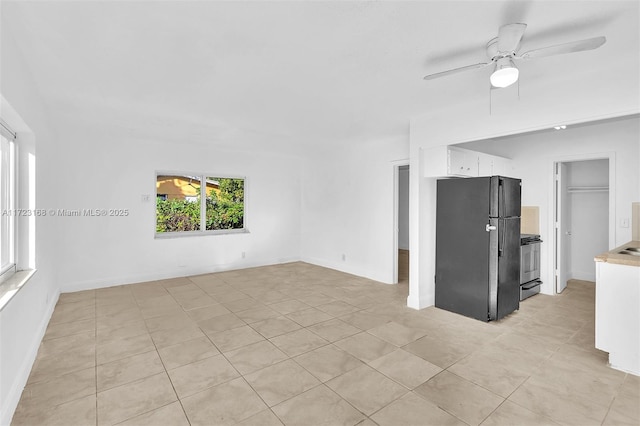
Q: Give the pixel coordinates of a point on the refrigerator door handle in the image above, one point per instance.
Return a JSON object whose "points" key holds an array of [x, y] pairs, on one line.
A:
{"points": [[490, 228]]}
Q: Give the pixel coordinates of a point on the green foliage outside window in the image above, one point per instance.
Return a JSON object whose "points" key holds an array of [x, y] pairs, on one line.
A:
{"points": [[224, 210]]}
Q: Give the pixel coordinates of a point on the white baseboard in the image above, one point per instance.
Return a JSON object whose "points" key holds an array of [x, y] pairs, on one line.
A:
{"points": [[345, 267], [168, 274], [584, 275], [417, 303], [10, 404]]}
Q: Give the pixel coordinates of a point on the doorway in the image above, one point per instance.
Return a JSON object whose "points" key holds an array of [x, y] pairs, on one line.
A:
{"points": [[403, 224], [582, 210]]}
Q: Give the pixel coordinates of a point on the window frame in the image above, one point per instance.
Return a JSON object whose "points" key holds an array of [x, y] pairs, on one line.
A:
{"points": [[10, 192], [202, 231]]}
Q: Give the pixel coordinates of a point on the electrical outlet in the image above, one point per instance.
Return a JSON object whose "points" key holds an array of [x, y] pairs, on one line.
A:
{"points": [[244, 255], [624, 222], [344, 257], [145, 198]]}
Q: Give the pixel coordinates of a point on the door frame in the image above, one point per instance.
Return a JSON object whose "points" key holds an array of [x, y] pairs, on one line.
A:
{"points": [[611, 156], [396, 214]]}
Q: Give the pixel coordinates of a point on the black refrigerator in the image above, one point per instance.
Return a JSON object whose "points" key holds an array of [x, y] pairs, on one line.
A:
{"points": [[478, 246]]}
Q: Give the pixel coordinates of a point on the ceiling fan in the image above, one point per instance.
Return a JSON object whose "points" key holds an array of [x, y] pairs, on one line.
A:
{"points": [[503, 50]]}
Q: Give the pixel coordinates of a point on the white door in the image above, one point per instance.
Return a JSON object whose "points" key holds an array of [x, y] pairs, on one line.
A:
{"points": [[562, 234]]}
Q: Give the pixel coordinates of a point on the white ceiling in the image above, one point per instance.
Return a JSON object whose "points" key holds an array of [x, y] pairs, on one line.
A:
{"points": [[289, 75]]}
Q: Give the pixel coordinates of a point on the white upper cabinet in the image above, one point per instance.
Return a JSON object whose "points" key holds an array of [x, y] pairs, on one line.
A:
{"points": [[443, 161]]}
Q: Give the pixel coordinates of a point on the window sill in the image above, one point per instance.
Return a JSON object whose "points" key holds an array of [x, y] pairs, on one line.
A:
{"points": [[12, 285], [168, 235]]}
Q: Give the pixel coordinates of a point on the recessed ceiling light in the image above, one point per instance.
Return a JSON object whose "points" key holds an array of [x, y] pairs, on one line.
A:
{"points": [[562, 127]]}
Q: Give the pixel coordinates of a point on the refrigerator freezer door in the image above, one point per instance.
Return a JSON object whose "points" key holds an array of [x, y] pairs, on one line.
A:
{"points": [[462, 246], [505, 197]]}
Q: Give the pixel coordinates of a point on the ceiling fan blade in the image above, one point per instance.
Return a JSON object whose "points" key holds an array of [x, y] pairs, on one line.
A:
{"points": [[574, 46], [456, 70], [509, 37]]}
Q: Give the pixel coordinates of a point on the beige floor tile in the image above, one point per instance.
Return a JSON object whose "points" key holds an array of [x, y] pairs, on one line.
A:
{"points": [[288, 306], [79, 412], [197, 376], [263, 418], [127, 370], [405, 368], [123, 348], [364, 320], [275, 326], [281, 381], [463, 399], [115, 309], [243, 304], [228, 296], [558, 406], [194, 300], [172, 321], [187, 352], [130, 329], [61, 345], [509, 413], [365, 347], [77, 296], [316, 299], [627, 400], [328, 362], [65, 329], [334, 330], [256, 356], [169, 415], [337, 308], [225, 404], [56, 365], [615, 418], [70, 312], [59, 390], [572, 381], [220, 323], [366, 389], [120, 319], [164, 338], [235, 338], [412, 410], [550, 340], [207, 312], [501, 378], [298, 342], [124, 402], [257, 314], [308, 317], [396, 334], [318, 406], [438, 352]]}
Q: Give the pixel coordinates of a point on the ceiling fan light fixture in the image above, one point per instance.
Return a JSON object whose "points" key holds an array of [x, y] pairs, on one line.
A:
{"points": [[505, 73]]}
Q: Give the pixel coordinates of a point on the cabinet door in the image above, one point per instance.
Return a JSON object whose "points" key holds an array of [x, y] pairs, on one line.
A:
{"points": [[485, 165], [462, 163]]}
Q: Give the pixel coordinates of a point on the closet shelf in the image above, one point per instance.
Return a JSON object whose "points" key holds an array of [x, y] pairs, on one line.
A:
{"points": [[588, 189]]}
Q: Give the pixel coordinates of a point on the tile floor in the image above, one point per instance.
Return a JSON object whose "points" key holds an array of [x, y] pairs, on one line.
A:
{"points": [[297, 344]]}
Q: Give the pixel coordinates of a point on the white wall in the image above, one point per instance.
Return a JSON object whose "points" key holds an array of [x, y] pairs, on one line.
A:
{"points": [[403, 208], [348, 207], [533, 156], [114, 171], [589, 223], [24, 319]]}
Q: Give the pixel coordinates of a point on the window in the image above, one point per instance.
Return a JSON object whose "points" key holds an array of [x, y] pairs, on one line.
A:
{"points": [[7, 201], [199, 204]]}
